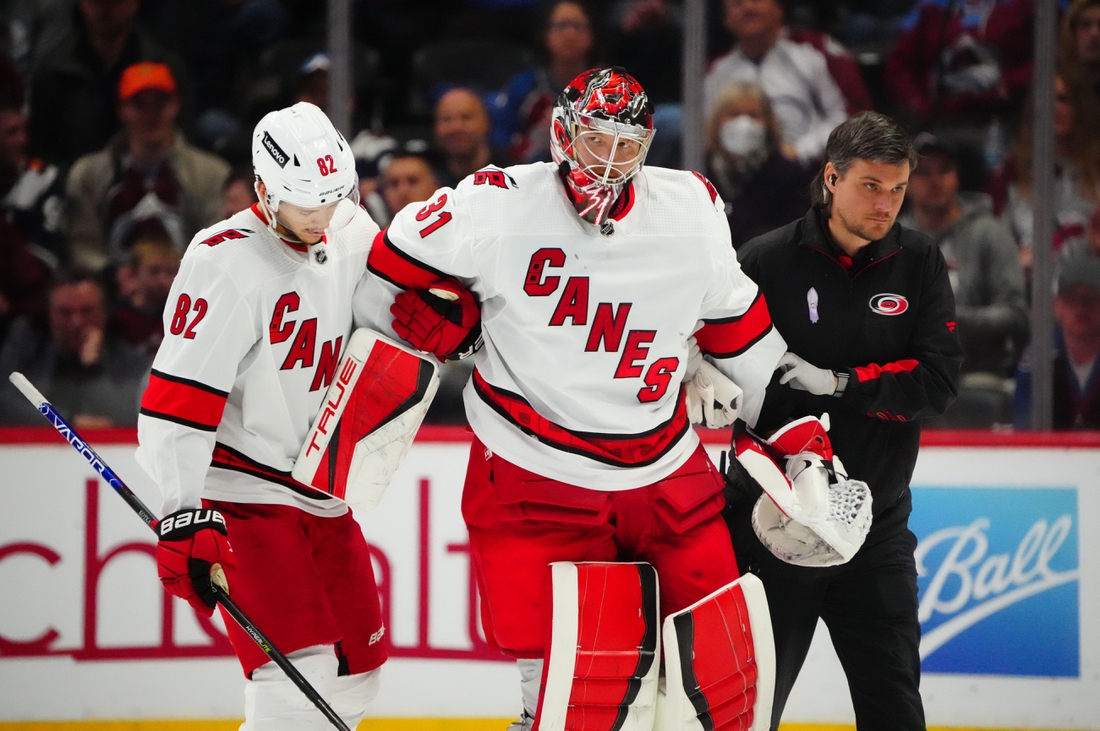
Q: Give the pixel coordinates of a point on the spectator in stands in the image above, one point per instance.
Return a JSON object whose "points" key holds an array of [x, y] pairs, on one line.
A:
{"points": [[221, 42], [91, 376], [147, 178], [986, 277], [409, 177], [462, 135], [1087, 244], [813, 83], [962, 63], [1080, 43], [312, 81], [239, 191], [1077, 170], [73, 110], [521, 112], [646, 38], [32, 195], [1076, 352], [24, 278], [763, 189], [146, 280]]}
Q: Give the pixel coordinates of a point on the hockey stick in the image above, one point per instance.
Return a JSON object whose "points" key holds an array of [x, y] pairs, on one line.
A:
{"points": [[50, 413]]}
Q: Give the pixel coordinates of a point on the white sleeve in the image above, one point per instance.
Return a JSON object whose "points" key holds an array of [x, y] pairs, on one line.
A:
{"points": [[737, 332], [208, 329], [425, 242], [829, 101]]}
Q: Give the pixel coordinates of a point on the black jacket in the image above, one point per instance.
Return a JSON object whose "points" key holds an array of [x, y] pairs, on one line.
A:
{"points": [[890, 324]]}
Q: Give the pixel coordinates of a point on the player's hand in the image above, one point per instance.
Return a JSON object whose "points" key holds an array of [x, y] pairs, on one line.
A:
{"points": [[92, 347], [443, 319], [191, 555], [712, 400], [806, 377]]}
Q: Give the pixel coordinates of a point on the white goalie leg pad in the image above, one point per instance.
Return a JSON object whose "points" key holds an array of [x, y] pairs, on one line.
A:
{"points": [[378, 398], [719, 663], [272, 702], [604, 656]]}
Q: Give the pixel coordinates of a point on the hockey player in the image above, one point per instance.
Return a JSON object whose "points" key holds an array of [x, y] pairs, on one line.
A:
{"points": [[253, 332], [592, 272]]}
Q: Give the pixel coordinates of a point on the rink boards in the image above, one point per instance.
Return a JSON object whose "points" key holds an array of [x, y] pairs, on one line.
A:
{"points": [[1010, 594]]}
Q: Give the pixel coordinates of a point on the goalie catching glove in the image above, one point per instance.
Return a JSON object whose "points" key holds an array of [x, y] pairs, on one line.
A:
{"points": [[712, 399], [811, 513], [443, 320], [191, 555]]}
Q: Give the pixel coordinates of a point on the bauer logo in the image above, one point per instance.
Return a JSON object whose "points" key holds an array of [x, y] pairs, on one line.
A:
{"points": [[998, 581], [275, 151]]}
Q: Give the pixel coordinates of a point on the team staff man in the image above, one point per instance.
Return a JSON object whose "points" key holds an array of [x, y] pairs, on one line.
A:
{"points": [[866, 308]]}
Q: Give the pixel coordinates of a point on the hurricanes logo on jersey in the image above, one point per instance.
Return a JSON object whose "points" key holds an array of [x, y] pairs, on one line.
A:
{"points": [[889, 304]]}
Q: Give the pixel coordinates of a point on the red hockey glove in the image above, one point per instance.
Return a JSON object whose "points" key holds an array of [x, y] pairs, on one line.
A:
{"points": [[443, 320], [191, 553]]}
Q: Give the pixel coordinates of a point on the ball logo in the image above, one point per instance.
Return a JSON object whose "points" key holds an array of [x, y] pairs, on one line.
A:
{"points": [[996, 563], [889, 304]]}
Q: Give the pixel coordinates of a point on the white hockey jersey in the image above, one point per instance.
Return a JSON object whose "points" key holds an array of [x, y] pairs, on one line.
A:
{"points": [[586, 329], [253, 332]]}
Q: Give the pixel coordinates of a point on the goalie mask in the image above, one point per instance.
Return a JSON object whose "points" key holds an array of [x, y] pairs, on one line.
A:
{"points": [[600, 132], [303, 160]]}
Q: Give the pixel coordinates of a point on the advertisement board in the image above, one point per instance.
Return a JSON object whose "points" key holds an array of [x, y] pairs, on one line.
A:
{"points": [[1009, 588]]}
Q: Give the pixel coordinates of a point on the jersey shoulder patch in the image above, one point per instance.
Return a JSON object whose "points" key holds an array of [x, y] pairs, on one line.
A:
{"points": [[709, 185], [225, 235], [495, 177]]}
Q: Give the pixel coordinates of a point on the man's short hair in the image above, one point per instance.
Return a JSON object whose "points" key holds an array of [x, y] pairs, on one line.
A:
{"points": [[869, 136], [429, 157], [146, 246], [927, 145], [78, 275]]}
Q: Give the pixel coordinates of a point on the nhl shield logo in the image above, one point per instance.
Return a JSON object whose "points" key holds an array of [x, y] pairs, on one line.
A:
{"points": [[320, 256]]}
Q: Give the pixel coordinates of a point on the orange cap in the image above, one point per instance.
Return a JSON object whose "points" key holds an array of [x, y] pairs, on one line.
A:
{"points": [[143, 76]]}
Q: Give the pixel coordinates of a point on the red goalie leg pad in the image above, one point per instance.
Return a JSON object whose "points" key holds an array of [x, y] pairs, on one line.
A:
{"points": [[720, 662], [604, 653]]}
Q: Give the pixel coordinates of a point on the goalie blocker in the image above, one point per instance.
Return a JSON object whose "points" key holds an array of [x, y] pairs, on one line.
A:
{"points": [[370, 414], [602, 671]]}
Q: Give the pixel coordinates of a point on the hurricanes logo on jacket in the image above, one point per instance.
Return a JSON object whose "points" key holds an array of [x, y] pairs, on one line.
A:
{"points": [[889, 304]]}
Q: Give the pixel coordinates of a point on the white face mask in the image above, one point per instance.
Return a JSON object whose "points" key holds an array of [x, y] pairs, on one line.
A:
{"points": [[742, 136]]}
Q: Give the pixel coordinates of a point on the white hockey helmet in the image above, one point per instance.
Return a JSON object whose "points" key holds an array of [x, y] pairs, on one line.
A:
{"points": [[303, 159]]}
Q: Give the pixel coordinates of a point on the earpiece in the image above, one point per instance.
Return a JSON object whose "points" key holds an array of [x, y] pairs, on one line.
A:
{"points": [[832, 180]]}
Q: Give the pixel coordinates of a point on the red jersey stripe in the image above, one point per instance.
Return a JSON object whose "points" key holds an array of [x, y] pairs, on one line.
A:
{"points": [[394, 265], [228, 458], [873, 371], [620, 450], [732, 336], [183, 401]]}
